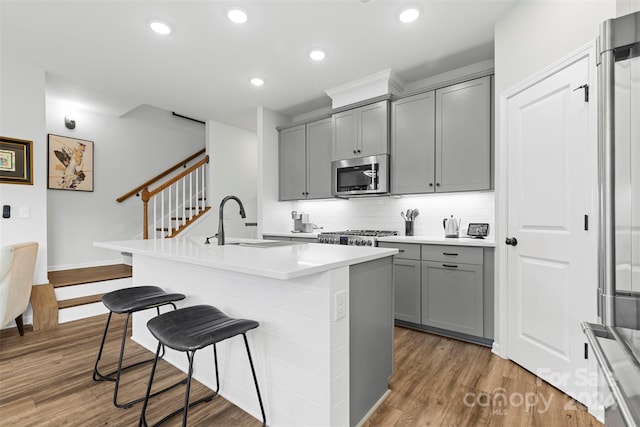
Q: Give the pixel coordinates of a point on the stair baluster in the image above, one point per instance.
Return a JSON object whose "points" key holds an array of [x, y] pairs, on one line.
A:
{"points": [[173, 199]]}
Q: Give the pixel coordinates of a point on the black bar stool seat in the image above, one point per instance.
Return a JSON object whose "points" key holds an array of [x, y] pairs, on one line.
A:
{"points": [[188, 330], [128, 301]]}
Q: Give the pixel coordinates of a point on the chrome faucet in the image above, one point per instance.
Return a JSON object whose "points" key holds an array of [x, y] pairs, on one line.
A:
{"points": [[220, 222]]}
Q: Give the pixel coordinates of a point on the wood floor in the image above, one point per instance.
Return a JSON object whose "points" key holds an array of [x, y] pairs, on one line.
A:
{"points": [[45, 380]]}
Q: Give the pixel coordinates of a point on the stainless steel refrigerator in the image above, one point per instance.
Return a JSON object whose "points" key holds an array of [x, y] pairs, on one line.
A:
{"points": [[616, 342]]}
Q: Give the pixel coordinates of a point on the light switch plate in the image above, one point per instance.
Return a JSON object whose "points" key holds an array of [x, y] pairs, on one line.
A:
{"points": [[24, 212], [339, 305]]}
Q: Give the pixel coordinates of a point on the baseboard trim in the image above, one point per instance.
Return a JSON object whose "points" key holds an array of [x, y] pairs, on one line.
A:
{"points": [[373, 409]]}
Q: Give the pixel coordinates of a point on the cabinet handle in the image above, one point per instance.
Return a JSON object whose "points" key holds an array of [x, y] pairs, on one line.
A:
{"points": [[354, 151], [401, 250], [359, 151], [431, 184], [450, 254], [450, 265], [437, 184]]}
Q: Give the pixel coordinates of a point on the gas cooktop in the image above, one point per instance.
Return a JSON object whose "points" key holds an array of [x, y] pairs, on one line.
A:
{"points": [[354, 237]]}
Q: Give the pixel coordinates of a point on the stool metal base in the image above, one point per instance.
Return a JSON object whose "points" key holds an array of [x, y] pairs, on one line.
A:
{"points": [[185, 409], [114, 376]]}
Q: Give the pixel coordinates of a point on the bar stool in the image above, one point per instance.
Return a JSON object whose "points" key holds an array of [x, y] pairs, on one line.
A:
{"points": [[131, 300], [190, 329]]}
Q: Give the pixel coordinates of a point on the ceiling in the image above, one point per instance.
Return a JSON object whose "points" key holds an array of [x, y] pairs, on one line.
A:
{"points": [[101, 56]]}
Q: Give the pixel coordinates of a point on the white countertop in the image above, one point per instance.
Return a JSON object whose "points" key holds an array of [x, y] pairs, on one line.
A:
{"points": [[440, 240], [282, 262]]}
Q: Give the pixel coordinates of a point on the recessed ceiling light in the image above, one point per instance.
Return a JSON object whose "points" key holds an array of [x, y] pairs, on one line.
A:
{"points": [[317, 54], [257, 81], [160, 27], [238, 16], [409, 15]]}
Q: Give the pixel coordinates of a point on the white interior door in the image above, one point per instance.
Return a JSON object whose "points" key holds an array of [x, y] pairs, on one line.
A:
{"points": [[552, 185]]}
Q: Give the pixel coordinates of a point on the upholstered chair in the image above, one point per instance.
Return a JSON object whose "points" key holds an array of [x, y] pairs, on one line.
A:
{"points": [[17, 266]]}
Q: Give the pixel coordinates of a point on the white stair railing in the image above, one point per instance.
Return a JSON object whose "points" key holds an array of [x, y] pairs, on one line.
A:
{"points": [[176, 203]]}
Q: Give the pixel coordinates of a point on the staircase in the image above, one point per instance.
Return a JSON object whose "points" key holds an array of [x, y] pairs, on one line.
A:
{"points": [[174, 205], [168, 209], [79, 291]]}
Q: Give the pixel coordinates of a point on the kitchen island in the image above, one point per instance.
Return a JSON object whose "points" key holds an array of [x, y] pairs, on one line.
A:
{"points": [[324, 348]]}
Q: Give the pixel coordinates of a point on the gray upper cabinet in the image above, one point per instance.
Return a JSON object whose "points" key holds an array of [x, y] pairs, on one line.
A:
{"points": [[362, 131], [292, 163], [413, 144], [463, 136], [305, 161], [319, 159]]}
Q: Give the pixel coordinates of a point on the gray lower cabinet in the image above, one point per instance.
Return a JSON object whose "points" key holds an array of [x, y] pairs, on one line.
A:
{"points": [[406, 281], [407, 290], [445, 289], [452, 297], [362, 131], [305, 161], [453, 288]]}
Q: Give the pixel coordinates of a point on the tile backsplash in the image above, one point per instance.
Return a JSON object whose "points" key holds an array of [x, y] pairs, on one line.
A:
{"points": [[383, 213]]}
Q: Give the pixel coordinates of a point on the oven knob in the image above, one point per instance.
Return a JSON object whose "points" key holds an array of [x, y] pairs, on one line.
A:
{"points": [[359, 242], [334, 240], [351, 242], [368, 242]]}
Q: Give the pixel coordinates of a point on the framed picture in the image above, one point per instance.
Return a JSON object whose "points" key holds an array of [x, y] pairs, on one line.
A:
{"points": [[70, 164], [16, 161]]}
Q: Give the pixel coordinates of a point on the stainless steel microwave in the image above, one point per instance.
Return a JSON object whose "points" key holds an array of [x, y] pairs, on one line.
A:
{"points": [[360, 176]]}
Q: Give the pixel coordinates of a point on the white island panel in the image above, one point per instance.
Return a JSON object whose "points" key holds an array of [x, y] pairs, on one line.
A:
{"points": [[301, 355]]}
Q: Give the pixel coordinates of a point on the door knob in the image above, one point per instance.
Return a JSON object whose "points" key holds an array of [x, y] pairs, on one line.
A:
{"points": [[511, 241]]}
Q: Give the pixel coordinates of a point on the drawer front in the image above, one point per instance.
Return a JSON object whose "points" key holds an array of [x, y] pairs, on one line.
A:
{"points": [[452, 254], [407, 250]]}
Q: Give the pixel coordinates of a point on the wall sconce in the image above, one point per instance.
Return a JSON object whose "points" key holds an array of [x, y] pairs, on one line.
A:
{"points": [[69, 122]]}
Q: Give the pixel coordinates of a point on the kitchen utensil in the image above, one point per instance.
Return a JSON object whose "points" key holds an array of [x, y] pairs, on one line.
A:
{"points": [[416, 212], [451, 226], [403, 216], [408, 228]]}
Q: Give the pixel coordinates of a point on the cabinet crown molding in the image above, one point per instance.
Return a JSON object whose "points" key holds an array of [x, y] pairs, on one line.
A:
{"points": [[381, 83]]}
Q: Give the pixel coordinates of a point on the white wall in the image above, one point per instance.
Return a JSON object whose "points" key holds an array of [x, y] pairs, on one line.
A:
{"points": [[22, 116], [233, 164], [530, 36], [533, 34], [383, 213], [624, 7], [272, 215], [128, 150]]}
